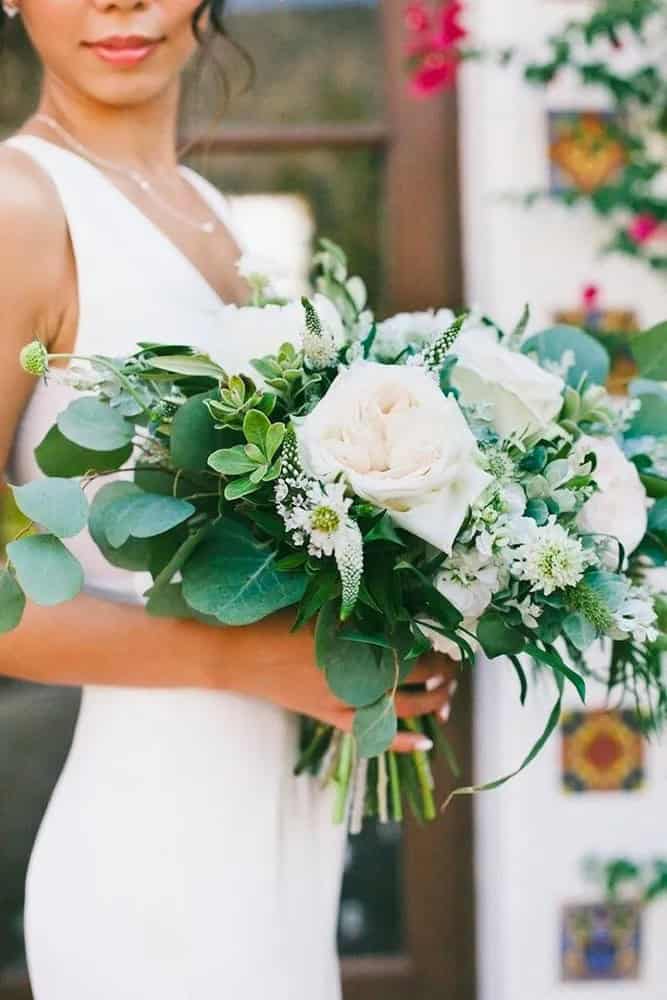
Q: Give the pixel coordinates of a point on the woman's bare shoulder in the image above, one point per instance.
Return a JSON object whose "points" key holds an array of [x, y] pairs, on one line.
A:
{"points": [[29, 199]]}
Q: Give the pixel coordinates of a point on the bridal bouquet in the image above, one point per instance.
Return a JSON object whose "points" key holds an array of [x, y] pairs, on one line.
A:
{"points": [[424, 482]]}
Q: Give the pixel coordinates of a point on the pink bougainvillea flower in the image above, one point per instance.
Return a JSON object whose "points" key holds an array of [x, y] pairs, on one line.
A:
{"points": [[432, 50], [437, 72], [418, 20], [591, 296], [643, 228], [450, 29]]}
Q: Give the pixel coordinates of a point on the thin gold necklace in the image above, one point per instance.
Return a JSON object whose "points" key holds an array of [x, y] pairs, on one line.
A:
{"points": [[135, 175]]}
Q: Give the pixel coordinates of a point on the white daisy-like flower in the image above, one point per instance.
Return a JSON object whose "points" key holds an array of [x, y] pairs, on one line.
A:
{"points": [[550, 559], [326, 517]]}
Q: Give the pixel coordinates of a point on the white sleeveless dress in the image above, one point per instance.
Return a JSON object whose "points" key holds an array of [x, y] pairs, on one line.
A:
{"points": [[178, 858]]}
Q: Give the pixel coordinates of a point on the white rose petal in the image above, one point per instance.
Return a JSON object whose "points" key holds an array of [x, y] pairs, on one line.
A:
{"points": [[399, 443], [523, 395], [251, 332], [619, 508]]}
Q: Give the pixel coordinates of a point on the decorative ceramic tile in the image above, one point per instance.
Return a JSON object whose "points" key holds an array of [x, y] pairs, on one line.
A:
{"points": [[601, 941], [614, 328], [584, 151], [602, 751]]}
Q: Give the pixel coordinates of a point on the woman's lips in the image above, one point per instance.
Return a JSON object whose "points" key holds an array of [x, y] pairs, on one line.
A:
{"points": [[128, 56]]}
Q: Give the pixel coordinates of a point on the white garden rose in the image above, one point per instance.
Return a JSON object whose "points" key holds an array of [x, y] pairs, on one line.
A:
{"points": [[399, 443], [524, 396], [252, 331], [619, 508]]}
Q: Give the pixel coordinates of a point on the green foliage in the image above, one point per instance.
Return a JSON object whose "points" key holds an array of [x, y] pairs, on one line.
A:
{"points": [[143, 515], [59, 505], [355, 672], [651, 419], [649, 350], [234, 577], [497, 637], [256, 461], [238, 395], [12, 601], [47, 572], [375, 726], [199, 365], [94, 425], [135, 554], [57, 456], [591, 359], [193, 433]]}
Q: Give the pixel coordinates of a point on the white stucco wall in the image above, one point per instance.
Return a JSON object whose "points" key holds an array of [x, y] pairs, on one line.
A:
{"points": [[531, 836]]}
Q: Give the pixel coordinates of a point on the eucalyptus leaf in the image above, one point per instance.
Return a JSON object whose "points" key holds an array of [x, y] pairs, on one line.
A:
{"points": [[591, 358], [59, 505], [143, 515], [94, 425], [57, 456], [193, 433], [375, 727], [47, 571], [650, 352], [256, 427], [234, 578], [579, 630], [651, 419], [135, 554], [12, 601]]}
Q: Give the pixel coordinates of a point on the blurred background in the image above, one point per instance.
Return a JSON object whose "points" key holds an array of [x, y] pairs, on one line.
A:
{"points": [[421, 173]]}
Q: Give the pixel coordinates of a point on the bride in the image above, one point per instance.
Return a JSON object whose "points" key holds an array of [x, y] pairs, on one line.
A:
{"points": [[179, 858]]}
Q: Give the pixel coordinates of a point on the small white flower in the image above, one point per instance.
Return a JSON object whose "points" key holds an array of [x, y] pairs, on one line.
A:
{"points": [[529, 611], [265, 275], [326, 517], [550, 559], [323, 333], [636, 616]]}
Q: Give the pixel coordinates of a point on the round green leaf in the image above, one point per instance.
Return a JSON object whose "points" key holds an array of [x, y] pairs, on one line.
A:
{"points": [[374, 727], [60, 505], [92, 424], [193, 433], [56, 456], [143, 515], [591, 358], [12, 601], [356, 672], [135, 554], [48, 573], [650, 351], [497, 638], [651, 418], [233, 576]]}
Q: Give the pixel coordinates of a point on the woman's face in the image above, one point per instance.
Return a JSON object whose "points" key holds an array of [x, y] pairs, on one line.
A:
{"points": [[62, 32]]}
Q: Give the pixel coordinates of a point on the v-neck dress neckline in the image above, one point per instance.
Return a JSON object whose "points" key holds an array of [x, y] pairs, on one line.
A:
{"points": [[214, 199]]}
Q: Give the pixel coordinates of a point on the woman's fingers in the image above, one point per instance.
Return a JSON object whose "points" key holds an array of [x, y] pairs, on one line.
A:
{"points": [[422, 702], [433, 669]]}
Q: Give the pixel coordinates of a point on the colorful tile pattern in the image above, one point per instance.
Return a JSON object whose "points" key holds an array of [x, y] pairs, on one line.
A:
{"points": [[601, 941], [584, 151], [614, 328], [602, 751]]}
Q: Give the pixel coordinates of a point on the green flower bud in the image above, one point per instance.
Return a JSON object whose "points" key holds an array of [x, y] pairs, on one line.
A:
{"points": [[34, 358]]}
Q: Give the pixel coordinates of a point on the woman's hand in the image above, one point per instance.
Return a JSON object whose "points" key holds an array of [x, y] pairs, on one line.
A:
{"points": [[280, 667]]}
